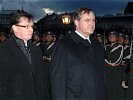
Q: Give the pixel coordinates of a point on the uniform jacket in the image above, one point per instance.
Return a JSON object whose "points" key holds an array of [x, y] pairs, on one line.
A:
{"points": [[77, 70], [20, 80], [113, 54]]}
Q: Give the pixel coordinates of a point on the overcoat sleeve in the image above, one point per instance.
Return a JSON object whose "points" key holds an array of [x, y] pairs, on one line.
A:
{"points": [[3, 76], [58, 71], [40, 76]]}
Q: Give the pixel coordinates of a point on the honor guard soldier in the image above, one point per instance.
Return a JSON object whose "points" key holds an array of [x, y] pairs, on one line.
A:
{"points": [[36, 38], [113, 59], [54, 38], [126, 60], [3, 37], [47, 46], [129, 95], [121, 37], [127, 51], [127, 48], [99, 37]]}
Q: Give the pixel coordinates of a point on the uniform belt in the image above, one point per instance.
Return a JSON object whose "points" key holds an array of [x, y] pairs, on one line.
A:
{"points": [[109, 65], [130, 70]]}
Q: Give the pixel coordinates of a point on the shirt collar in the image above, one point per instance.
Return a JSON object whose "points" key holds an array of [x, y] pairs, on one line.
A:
{"points": [[21, 42], [88, 38]]}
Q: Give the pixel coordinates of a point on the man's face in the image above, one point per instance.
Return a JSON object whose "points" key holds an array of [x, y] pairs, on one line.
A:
{"points": [[24, 29], [126, 41], [49, 38], [112, 38], [86, 24], [100, 39], [2, 38], [120, 40], [35, 38]]}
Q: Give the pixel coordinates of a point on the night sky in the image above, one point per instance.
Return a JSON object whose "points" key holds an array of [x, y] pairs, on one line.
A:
{"points": [[38, 8]]}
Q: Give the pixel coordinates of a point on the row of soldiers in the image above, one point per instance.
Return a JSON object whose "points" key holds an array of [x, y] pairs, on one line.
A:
{"points": [[118, 50], [118, 53]]}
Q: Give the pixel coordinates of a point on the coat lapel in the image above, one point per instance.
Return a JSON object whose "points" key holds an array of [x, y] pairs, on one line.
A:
{"points": [[17, 51]]}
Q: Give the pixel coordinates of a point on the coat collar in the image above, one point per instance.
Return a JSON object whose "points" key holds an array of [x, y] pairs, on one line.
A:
{"points": [[15, 48], [76, 38]]}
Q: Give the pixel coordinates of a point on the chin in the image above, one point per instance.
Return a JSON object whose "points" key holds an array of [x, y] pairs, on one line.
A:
{"points": [[29, 38], [90, 33]]}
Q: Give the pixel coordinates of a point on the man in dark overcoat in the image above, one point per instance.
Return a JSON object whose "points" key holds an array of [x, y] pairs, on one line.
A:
{"points": [[77, 64], [129, 95], [21, 63]]}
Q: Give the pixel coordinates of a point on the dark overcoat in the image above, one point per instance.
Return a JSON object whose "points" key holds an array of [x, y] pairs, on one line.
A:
{"points": [[129, 95], [77, 70], [20, 80]]}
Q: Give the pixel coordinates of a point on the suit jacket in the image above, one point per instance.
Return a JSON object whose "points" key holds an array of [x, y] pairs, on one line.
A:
{"points": [[77, 70], [20, 80]]}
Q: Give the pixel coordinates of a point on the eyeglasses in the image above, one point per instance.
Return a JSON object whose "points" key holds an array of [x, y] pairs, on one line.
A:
{"points": [[91, 20], [27, 27]]}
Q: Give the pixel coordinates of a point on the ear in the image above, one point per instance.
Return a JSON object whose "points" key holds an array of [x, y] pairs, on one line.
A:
{"points": [[76, 22], [13, 27]]}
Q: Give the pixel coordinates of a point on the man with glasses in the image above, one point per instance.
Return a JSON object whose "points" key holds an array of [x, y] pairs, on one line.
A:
{"points": [[21, 63], [77, 63]]}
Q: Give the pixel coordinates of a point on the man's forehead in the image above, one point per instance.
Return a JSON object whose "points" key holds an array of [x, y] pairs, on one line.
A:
{"points": [[112, 36], [25, 19], [87, 16]]}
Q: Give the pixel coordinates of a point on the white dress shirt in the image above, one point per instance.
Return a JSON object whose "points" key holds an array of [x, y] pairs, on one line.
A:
{"points": [[88, 38]]}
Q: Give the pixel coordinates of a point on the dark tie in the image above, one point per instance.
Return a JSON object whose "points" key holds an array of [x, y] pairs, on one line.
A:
{"points": [[28, 54], [85, 42]]}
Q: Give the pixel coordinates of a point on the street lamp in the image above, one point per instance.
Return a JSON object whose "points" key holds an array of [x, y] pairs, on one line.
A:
{"points": [[66, 19]]}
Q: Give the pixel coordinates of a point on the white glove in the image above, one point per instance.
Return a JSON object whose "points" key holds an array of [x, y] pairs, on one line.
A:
{"points": [[124, 85]]}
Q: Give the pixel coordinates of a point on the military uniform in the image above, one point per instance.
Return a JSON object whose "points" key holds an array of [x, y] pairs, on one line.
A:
{"points": [[126, 58], [3, 37], [36, 38], [47, 48], [99, 37], [113, 58]]}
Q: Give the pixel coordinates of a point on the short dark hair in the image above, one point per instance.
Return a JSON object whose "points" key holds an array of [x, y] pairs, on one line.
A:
{"points": [[79, 12], [15, 17]]}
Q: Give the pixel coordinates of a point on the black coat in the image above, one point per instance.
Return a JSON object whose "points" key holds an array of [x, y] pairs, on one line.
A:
{"points": [[129, 95], [77, 71], [20, 80]]}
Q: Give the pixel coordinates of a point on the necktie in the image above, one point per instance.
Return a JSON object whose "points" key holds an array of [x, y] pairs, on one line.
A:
{"points": [[85, 42]]}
